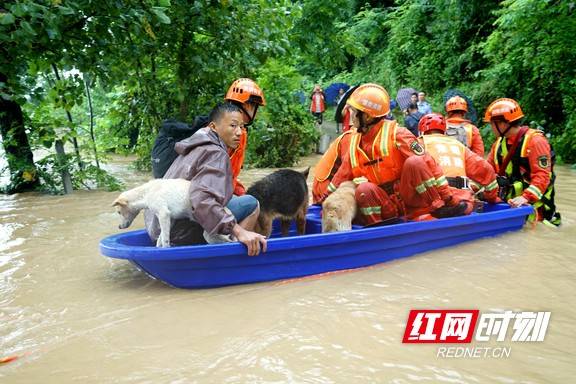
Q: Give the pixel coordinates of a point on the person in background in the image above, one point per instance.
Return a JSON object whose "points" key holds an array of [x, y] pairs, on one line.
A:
{"points": [[523, 160], [413, 100], [423, 106], [317, 105], [412, 118], [393, 106], [340, 95], [461, 128]]}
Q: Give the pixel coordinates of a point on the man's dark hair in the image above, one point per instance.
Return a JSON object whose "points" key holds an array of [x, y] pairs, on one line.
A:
{"points": [[412, 106], [223, 108], [414, 94]]}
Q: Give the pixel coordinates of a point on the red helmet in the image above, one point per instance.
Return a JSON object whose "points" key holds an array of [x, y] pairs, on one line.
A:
{"points": [[245, 90], [432, 121], [456, 103], [508, 109], [372, 99]]}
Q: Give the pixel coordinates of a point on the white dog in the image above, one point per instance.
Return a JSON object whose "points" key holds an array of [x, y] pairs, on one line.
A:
{"points": [[167, 199], [339, 209]]}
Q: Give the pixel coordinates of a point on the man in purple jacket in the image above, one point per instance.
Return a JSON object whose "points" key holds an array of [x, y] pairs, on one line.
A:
{"points": [[203, 159]]}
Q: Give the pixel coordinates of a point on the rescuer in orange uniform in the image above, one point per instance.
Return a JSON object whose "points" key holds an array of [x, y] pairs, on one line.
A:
{"points": [[248, 96], [466, 132], [328, 166], [394, 177], [464, 169], [523, 160]]}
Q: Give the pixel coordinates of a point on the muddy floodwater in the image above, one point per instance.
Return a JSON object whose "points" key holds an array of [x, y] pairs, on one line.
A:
{"points": [[69, 314]]}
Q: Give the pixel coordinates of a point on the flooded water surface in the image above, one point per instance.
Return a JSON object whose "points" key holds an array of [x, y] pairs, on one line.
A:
{"points": [[72, 315]]}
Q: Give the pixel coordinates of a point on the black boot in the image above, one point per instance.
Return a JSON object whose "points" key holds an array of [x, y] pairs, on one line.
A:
{"points": [[450, 211]]}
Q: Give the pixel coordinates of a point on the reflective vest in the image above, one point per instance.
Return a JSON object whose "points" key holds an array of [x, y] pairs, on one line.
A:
{"points": [[325, 167], [450, 154], [518, 174], [384, 162], [237, 157], [461, 129]]}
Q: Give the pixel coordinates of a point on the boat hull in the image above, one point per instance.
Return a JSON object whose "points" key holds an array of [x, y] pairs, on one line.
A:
{"points": [[206, 266]]}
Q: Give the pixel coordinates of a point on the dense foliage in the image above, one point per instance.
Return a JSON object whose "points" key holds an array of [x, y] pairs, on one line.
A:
{"points": [[92, 78]]}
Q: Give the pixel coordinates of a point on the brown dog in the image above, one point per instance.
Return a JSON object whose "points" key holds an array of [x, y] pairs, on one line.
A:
{"points": [[339, 209], [282, 194]]}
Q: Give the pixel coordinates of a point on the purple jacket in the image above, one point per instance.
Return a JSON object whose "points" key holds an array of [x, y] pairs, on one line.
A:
{"points": [[203, 159]]}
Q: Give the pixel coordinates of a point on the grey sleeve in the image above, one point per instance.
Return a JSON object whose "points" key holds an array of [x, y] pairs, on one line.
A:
{"points": [[211, 190]]}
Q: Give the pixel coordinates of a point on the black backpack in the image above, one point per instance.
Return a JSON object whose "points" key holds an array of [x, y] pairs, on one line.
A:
{"points": [[171, 132]]}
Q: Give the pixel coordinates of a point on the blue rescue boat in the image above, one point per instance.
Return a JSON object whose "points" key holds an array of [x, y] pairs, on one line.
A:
{"points": [[206, 266]]}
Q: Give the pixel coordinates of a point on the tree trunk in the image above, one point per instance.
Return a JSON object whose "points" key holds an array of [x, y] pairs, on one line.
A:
{"points": [[74, 141], [23, 174], [64, 173], [91, 110]]}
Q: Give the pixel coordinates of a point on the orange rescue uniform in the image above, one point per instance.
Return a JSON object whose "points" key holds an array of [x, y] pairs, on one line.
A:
{"points": [[529, 171], [394, 176], [236, 161], [456, 160], [473, 139], [328, 165]]}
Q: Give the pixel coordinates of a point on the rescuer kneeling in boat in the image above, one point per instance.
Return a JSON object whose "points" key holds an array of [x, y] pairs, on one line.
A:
{"points": [[523, 160], [328, 165], [395, 178], [464, 169]]}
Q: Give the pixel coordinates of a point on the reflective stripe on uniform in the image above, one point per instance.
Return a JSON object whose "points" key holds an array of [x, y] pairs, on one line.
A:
{"points": [[535, 191], [371, 210], [422, 187], [360, 180], [491, 186], [441, 181]]}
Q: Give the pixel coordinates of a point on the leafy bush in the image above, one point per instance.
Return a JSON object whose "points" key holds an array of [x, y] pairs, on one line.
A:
{"points": [[284, 129]]}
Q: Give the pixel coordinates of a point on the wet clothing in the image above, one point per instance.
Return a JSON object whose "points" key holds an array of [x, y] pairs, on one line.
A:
{"points": [[172, 131], [529, 172], [203, 159], [328, 165], [458, 162], [389, 158], [466, 133]]}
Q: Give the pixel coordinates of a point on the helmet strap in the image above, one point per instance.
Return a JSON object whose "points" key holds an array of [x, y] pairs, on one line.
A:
{"points": [[241, 106], [362, 119], [502, 134]]}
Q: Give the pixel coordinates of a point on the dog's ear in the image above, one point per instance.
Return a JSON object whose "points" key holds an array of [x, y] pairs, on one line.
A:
{"points": [[120, 201], [306, 172]]}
